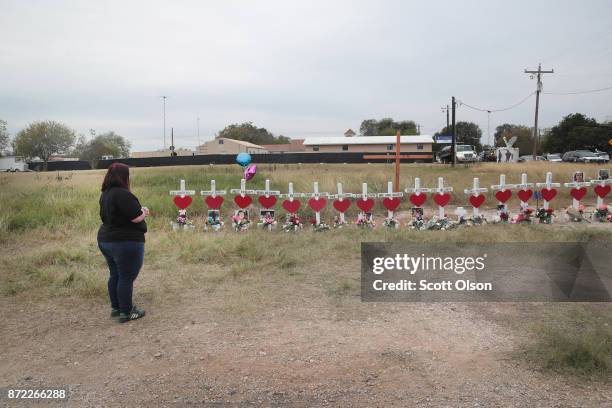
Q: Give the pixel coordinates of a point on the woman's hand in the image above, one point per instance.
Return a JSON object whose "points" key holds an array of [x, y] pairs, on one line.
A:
{"points": [[142, 216]]}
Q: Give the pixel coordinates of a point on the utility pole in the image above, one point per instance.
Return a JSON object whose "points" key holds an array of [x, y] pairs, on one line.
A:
{"points": [[539, 73], [418, 129], [454, 148], [198, 131], [164, 98], [172, 152], [447, 110]]}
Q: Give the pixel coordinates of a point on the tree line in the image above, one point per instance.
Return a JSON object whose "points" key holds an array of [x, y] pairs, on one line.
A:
{"points": [[45, 139]]}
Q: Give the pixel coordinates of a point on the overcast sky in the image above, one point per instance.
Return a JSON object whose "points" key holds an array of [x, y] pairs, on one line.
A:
{"points": [[300, 69]]}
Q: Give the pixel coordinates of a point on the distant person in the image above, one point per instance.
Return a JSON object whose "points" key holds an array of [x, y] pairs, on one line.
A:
{"points": [[121, 239], [499, 156], [508, 155]]}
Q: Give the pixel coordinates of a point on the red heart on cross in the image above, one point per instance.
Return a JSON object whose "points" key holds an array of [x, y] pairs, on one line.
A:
{"points": [[442, 199], [182, 202], [549, 193], [267, 202], [342, 206], [418, 199], [291, 206], [477, 200], [602, 191], [524, 195], [578, 193], [213, 203], [391, 204], [365, 205], [243, 202], [503, 195], [317, 204]]}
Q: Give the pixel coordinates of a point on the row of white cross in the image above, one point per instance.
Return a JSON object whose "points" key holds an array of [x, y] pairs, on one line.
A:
{"points": [[417, 190]]}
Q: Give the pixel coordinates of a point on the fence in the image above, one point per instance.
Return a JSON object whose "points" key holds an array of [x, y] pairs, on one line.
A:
{"points": [[272, 158]]}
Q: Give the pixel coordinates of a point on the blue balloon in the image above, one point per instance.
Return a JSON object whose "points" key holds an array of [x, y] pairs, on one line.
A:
{"points": [[243, 159]]}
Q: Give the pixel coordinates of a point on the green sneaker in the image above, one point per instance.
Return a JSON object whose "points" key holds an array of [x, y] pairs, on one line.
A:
{"points": [[134, 314], [114, 313]]}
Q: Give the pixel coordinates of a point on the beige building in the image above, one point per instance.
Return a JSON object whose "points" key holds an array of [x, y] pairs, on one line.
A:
{"points": [[368, 144], [296, 146], [224, 145], [162, 153]]}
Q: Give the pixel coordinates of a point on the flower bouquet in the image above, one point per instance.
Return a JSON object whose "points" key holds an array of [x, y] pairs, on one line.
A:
{"points": [[293, 223], [545, 215]]}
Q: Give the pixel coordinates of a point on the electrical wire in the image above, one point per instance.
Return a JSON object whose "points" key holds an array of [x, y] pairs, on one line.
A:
{"points": [[498, 110], [578, 92]]}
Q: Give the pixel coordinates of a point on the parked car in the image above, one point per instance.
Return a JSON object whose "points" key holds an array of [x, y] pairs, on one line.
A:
{"points": [[583, 156], [523, 159], [553, 157], [605, 155], [464, 154], [487, 156]]}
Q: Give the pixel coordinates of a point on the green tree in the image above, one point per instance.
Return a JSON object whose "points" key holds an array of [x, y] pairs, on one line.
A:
{"points": [[42, 140], [105, 144], [577, 131], [467, 133], [524, 137], [247, 132], [387, 127], [4, 136]]}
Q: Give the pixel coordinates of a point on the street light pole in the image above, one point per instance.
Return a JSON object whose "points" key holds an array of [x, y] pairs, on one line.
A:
{"points": [[164, 98]]}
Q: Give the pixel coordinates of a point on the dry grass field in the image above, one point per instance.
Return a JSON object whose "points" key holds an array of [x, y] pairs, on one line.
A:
{"points": [[276, 319]]}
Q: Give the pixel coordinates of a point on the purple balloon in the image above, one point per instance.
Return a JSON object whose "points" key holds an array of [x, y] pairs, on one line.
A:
{"points": [[250, 172]]}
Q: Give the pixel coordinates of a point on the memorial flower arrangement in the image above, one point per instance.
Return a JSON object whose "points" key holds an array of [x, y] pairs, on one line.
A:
{"points": [[545, 215], [365, 221], [602, 214], [417, 223], [215, 223], [440, 224], [338, 222], [181, 221], [240, 222], [292, 223], [391, 222], [266, 222], [318, 227], [523, 217], [576, 215]]}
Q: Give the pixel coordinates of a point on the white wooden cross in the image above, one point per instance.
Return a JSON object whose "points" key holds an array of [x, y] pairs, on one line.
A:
{"points": [[290, 194], [390, 194], [441, 190], [549, 185], [417, 188], [182, 192], [475, 191], [602, 183], [502, 186], [213, 192], [242, 190], [316, 195], [340, 197], [577, 184], [267, 192]]}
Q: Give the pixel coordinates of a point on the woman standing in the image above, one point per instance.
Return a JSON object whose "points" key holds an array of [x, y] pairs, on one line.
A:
{"points": [[121, 239]]}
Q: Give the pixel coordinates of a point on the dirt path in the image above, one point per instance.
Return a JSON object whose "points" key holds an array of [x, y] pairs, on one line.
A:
{"points": [[323, 353]]}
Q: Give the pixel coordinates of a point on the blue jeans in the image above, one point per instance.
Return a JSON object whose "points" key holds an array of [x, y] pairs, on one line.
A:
{"points": [[124, 259]]}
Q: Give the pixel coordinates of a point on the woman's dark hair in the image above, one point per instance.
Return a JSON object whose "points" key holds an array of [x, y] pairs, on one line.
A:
{"points": [[118, 175]]}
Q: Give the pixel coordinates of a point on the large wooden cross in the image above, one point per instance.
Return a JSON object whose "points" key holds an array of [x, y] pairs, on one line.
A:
{"points": [[397, 156]]}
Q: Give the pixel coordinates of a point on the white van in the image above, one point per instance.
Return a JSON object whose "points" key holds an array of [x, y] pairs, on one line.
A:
{"points": [[13, 163]]}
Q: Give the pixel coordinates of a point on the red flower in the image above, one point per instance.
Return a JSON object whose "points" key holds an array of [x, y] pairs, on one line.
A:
{"points": [[549, 211]]}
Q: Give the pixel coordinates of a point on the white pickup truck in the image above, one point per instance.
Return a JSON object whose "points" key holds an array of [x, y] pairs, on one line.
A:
{"points": [[13, 163], [465, 154]]}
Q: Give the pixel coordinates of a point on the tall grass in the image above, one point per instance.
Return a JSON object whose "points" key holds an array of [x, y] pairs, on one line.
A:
{"points": [[69, 200]]}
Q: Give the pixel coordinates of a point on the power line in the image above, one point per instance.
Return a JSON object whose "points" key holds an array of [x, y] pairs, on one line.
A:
{"points": [[579, 92], [461, 103]]}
